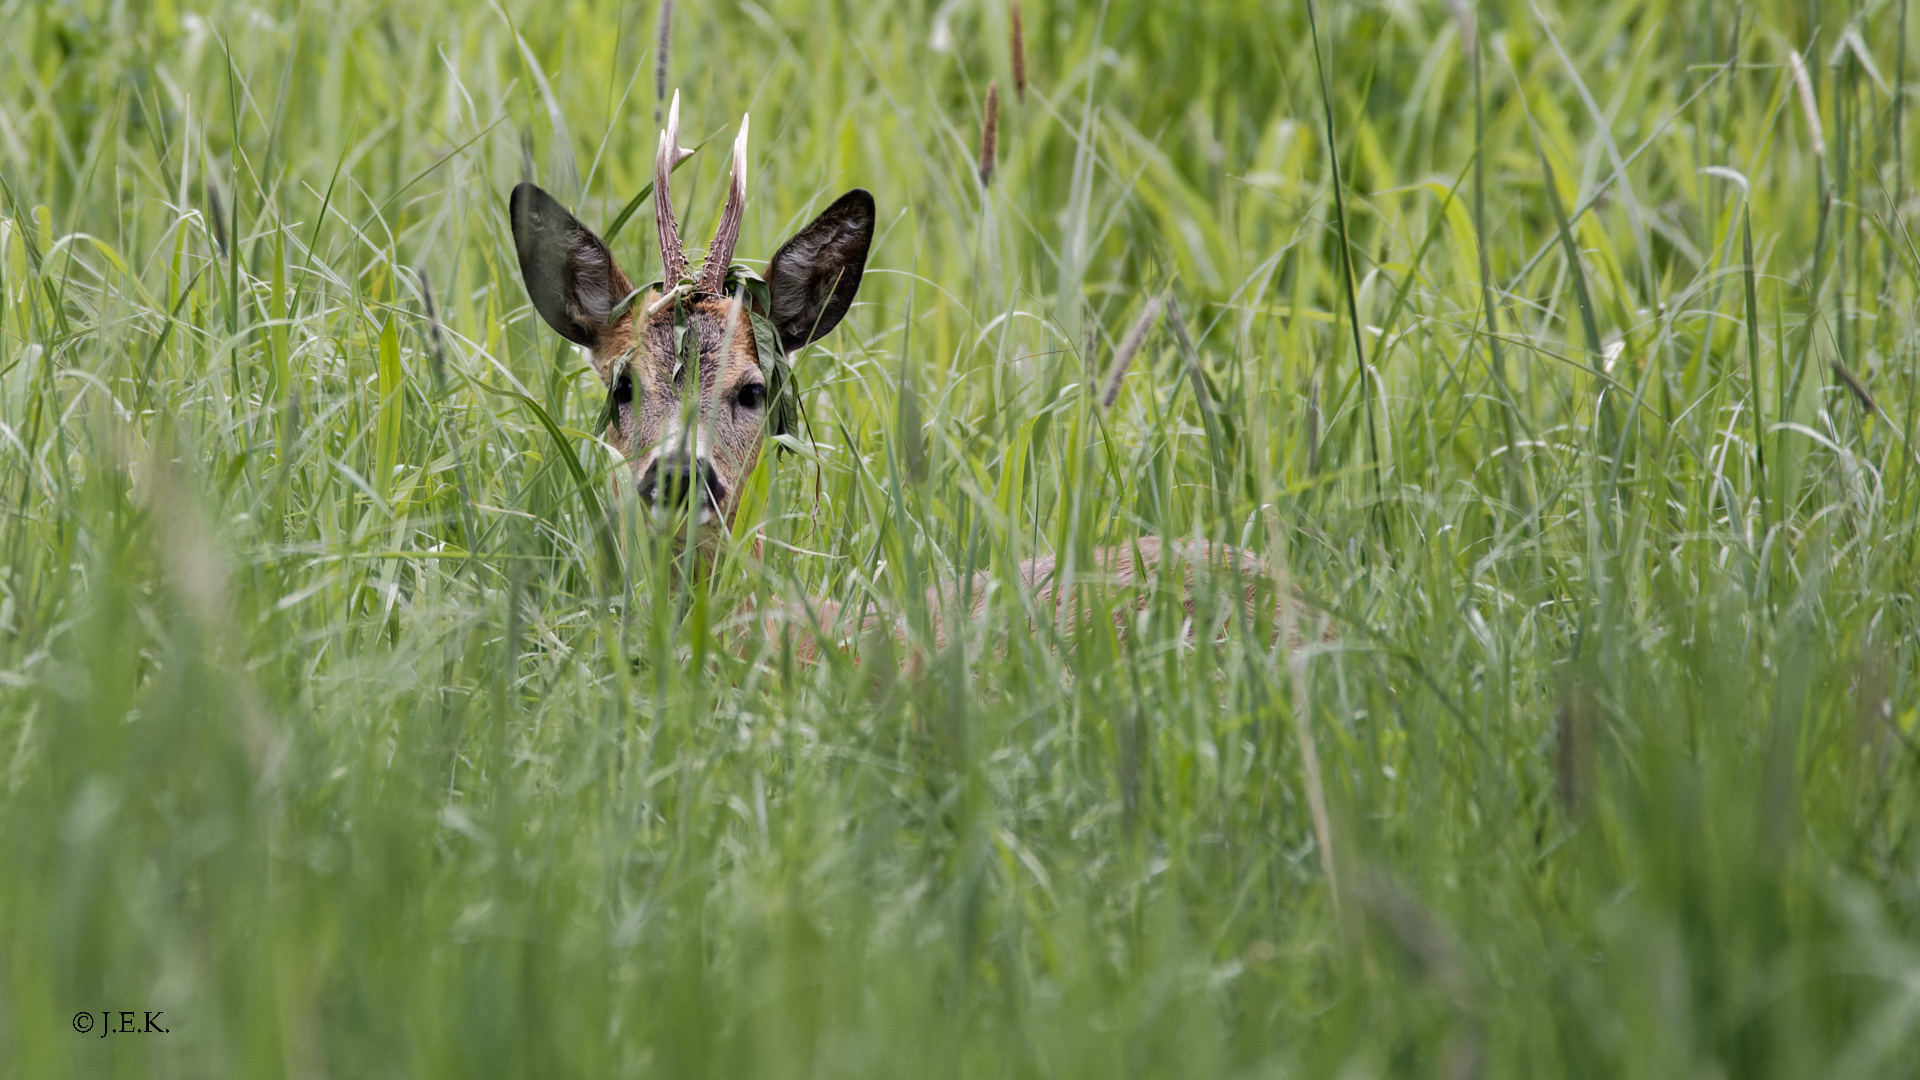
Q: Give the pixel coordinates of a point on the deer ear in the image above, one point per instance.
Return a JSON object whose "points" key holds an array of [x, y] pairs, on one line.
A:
{"points": [[571, 277], [814, 276]]}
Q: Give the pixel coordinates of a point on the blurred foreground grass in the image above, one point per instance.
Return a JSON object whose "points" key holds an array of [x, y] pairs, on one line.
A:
{"points": [[347, 718]]}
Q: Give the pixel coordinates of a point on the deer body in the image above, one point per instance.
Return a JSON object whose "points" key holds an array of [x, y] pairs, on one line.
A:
{"points": [[1127, 573], [695, 369]]}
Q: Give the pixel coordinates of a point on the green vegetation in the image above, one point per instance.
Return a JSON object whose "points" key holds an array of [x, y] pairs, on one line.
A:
{"points": [[348, 716]]}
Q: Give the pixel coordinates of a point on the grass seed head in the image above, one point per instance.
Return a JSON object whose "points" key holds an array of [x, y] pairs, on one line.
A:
{"points": [[990, 133], [1469, 25], [1858, 389], [1123, 356], [1018, 49], [1808, 106], [662, 46]]}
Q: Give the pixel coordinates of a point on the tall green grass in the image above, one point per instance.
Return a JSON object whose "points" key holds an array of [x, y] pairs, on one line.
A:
{"points": [[350, 715]]}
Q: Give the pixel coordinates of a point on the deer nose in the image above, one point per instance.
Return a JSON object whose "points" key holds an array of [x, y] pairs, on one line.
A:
{"points": [[669, 481]]}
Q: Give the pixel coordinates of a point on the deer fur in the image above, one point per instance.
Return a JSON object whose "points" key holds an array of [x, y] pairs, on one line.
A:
{"points": [[1125, 574]]}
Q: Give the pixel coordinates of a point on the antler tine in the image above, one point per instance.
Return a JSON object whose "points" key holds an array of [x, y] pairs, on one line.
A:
{"points": [[673, 260], [713, 276]]}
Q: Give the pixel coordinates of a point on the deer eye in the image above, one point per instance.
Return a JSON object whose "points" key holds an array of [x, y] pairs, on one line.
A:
{"points": [[751, 396], [623, 389]]}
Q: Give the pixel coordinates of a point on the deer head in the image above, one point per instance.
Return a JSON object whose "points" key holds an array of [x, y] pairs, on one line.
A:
{"points": [[696, 367]]}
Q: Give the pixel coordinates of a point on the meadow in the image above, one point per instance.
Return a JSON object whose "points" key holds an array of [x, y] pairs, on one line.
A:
{"points": [[1563, 355]]}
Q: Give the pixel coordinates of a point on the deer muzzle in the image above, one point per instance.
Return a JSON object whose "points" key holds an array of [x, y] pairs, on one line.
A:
{"points": [[679, 481]]}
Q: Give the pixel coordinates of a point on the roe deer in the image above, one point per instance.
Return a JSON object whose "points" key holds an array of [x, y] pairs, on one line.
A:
{"points": [[695, 366]]}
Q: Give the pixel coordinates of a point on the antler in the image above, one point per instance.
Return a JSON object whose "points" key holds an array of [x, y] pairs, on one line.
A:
{"points": [[673, 261], [713, 276]]}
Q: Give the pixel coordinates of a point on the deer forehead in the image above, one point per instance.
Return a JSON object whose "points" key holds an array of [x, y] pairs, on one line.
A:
{"points": [[723, 341]]}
